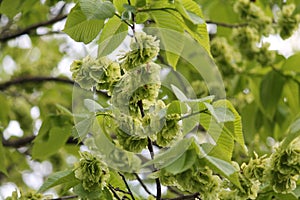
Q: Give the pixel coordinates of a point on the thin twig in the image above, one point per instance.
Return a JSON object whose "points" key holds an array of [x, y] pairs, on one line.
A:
{"points": [[174, 191], [143, 184], [127, 186], [186, 197], [192, 114], [126, 22], [17, 143], [112, 189], [28, 29], [150, 148], [66, 197], [37, 79], [226, 25]]}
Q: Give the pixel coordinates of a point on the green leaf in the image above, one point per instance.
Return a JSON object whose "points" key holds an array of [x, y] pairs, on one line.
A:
{"points": [[170, 34], [116, 180], [52, 135], [176, 107], [92, 105], [2, 158], [84, 194], [189, 15], [169, 156], [119, 4], [79, 28], [270, 92], [82, 127], [97, 9], [293, 132], [183, 163], [224, 168], [58, 178], [112, 35], [11, 9], [235, 126], [223, 134], [221, 114], [180, 95], [106, 194], [199, 31], [141, 17], [292, 63], [220, 166]]}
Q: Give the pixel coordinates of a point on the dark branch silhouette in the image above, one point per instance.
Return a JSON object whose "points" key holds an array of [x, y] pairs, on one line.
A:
{"points": [[29, 29], [21, 142], [226, 25], [23, 80]]}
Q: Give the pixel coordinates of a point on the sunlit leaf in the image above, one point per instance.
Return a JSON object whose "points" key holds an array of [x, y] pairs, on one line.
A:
{"points": [[81, 29], [97, 9], [112, 35], [59, 178]]}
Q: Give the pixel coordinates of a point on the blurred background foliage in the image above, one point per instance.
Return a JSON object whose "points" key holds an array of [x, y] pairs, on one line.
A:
{"points": [[35, 55]]}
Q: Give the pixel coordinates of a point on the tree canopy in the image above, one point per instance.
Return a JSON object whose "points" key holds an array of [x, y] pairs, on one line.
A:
{"points": [[149, 99]]}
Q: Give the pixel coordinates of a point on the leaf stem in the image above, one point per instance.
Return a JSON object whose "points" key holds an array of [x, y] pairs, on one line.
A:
{"points": [[126, 22], [112, 189], [150, 148], [127, 186], [193, 114], [143, 184]]}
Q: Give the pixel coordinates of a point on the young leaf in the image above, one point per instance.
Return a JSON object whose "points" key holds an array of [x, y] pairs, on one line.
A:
{"points": [[82, 128], [92, 105], [183, 163], [97, 9], [220, 165], [79, 28], [180, 95], [176, 107], [235, 125], [224, 168], [170, 34], [293, 132], [84, 194], [58, 178], [169, 156], [119, 4], [197, 31], [189, 15], [112, 35]]}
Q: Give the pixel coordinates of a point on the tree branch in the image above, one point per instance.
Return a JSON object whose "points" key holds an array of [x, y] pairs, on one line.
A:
{"points": [[226, 25], [127, 186], [66, 197], [150, 148], [16, 143], [143, 184], [27, 30], [21, 142], [20, 81], [111, 188], [186, 197]]}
